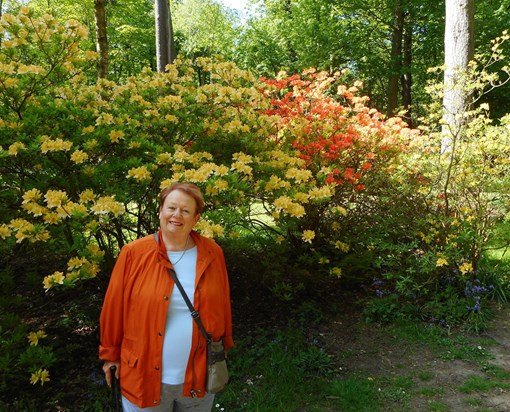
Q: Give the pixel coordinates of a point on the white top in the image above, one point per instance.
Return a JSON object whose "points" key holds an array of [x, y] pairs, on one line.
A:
{"points": [[179, 323]]}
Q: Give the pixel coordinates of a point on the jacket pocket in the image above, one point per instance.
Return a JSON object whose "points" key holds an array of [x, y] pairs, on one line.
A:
{"points": [[129, 358]]}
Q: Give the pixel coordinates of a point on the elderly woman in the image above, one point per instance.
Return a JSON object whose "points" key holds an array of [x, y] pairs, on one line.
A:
{"points": [[146, 328]]}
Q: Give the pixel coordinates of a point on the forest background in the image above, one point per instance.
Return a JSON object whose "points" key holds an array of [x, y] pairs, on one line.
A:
{"points": [[317, 132]]}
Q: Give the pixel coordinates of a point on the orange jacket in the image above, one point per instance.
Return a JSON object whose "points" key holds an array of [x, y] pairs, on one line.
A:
{"points": [[133, 316]]}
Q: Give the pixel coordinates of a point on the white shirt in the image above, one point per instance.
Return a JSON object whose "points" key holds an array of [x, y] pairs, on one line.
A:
{"points": [[179, 323]]}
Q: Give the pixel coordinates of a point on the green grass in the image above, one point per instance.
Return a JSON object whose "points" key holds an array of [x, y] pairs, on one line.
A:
{"points": [[480, 383]]}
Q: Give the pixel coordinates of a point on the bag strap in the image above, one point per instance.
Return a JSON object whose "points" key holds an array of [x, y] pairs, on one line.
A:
{"points": [[194, 314]]}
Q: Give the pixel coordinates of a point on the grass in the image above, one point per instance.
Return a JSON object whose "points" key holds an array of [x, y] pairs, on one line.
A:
{"points": [[286, 372]]}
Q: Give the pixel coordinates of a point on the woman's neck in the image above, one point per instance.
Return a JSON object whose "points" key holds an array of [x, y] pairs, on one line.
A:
{"points": [[175, 244]]}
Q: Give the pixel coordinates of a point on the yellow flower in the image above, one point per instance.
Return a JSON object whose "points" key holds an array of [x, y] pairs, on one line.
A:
{"points": [[41, 375], [344, 247], [107, 204], [299, 175], [308, 236], [32, 195], [57, 278], [139, 173], [116, 136], [441, 262], [15, 147], [339, 210], [164, 159], [5, 231], [87, 196], [49, 145], [79, 156], [276, 183], [209, 229], [55, 198], [95, 251], [336, 272], [88, 129], [33, 337], [35, 209], [324, 192], [466, 268], [76, 263]]}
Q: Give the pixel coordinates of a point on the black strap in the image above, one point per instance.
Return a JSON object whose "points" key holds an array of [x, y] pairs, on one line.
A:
{"points": [[194, 313]]}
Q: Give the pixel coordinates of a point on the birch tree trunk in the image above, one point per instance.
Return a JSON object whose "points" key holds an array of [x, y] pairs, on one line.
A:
{"points": [[165, 47], [458, 51], [101, 38]]}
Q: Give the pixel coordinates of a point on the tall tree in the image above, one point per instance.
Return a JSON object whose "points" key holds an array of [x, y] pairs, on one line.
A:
{"points": [[165, 46], [395, 58], [458, 51], [101, 38]]}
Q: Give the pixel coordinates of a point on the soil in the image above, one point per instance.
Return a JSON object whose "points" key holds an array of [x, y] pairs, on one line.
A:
{"points": [[372, 350]]}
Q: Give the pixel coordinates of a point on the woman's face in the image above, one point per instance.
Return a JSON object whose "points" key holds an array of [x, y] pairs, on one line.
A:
{"points": [[178, 214]]}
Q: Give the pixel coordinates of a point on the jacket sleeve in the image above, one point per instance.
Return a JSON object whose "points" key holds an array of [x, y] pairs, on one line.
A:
{"points": [[111, 320]]}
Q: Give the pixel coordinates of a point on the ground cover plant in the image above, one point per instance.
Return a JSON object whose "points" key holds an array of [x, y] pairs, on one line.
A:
{"points": [[310, 191]]}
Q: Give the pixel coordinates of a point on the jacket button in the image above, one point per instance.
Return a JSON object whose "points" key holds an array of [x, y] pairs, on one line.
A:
{"points": [[160, 334], [155, 401], [157, 368], [165, 297]]}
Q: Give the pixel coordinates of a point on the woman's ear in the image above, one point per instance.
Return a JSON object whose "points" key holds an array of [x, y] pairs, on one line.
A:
{"points": [[197, 218]]}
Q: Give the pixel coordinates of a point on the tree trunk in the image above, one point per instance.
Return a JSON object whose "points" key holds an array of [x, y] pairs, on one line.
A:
{"points": [[407, 80], [165, 47], [458, 51], [102, 38], [395, 58]]}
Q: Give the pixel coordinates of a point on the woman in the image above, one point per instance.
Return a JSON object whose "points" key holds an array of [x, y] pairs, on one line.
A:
{"points": [[146, 328]]}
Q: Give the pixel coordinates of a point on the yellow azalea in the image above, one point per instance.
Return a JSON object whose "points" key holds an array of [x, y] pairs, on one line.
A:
{"points": [[296, 210], [34, 209], [105, 118], [466, 268], [134, 145], [92, 225], [87, 196], [107, 204], [242, 157], [15, 148], [242, 168], [441, 262], [170, 118], [308, 236], [33, 337], [276, 183], [301, 197], [32, 195], [218, 186], [88, 129], [52, 218], [40, 236], [139, 173], [57, 278], [164, 159], [166, 183], [79, 156], [42, 375], [221, 170], [336, 272], [339, 210], [49, 145], [5, 231], [180, 154], [90, 269], [95, 251], [209, 229], [344, 247], [55, 198], [299, 175], [323, 261], [324, 192], [116, 136], [76, 262]]}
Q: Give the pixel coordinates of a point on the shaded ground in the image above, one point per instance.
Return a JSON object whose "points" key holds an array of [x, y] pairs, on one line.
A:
{"points": [[355, 346], [438, 378]]}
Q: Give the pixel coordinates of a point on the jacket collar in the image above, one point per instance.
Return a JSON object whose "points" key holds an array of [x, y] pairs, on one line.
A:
{"points": [[204, 258]]}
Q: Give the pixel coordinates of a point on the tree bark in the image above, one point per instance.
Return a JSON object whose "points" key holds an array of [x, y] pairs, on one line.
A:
{"points": [[165, 46], [101, 38], [458, 51], [395, 58], [407, 80]]}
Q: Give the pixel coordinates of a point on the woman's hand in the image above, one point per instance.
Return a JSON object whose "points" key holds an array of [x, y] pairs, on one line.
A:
{"points": [[107, 373]]}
